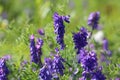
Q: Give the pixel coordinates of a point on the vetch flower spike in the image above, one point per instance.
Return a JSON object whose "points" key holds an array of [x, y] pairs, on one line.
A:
{"points": [[45, 74], [81, 55], [80, 39], [59, 28], [33, 50], [36, 50], [58, 66], [89, 62], [105, 44], [39, 50], [3, 70], [97, 75], [93, 19]]}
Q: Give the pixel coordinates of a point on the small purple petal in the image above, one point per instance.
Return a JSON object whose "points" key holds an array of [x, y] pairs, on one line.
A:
{"points": [[41, 32], [56, 50], [59, 28]]}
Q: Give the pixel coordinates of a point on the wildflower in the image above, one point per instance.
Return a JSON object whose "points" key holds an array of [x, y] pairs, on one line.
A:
{"points": [[59, 28], [94, 75], [41, 32], [93, 19], [86, 75], [105, 44], [7, 57], [58, 66], [105, 47], [57, 50], [33, 50], [89, 62], [39, 50], [97, 75], [117, 78], [81, 55], [3, 70], [80, 39], [45, 73], [49, 62]]}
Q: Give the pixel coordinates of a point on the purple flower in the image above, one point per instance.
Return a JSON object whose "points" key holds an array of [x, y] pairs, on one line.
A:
{"points": [[58, 66], [55, 65], [117, 78], [66, 18], [105, 47], [33, 50], [45, 74], [59, 28], [89, 62], [56, 50], [102, 57], [4, 15], [90, 66], [39, 50], [80, 39], [41, 32], [3, 70], [7, 57], [94, 75], [97, 75], [105, 44], [93, 19], [81, 55], [86, 75], [49, 62]]}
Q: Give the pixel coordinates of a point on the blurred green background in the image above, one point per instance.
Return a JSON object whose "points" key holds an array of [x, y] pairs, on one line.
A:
{"points": [[20, 18]]}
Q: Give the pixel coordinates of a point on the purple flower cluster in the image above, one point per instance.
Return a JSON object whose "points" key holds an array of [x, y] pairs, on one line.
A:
{"points": [[49, 62], [58, 66], [80, 39], [93, 19], [59, 28], [3, 70], [35, 50], [45, 73], [97, 75], [39, 50], [88, 58], [55, 66], [81, 55], [89, 64]]}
